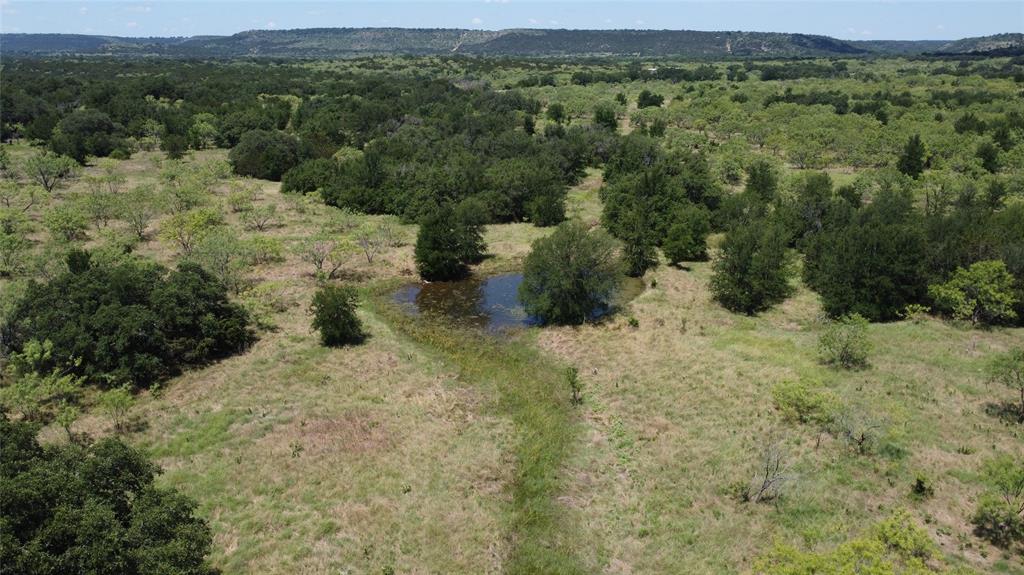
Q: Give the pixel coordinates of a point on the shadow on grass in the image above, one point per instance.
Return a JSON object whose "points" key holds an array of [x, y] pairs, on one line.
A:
{"points": [[1005, 411]]}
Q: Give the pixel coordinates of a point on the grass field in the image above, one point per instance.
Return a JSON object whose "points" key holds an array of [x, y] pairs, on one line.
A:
{"points": [[429, 450]]}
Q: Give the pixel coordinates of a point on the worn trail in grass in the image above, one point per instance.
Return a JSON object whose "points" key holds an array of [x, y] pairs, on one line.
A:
{"points": [[541, 534]]}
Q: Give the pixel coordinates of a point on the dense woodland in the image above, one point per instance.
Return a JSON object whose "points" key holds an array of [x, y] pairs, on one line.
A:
{"points": [[154, 211]]}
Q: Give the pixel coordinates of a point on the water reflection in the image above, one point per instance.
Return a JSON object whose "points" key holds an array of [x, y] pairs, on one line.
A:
{"points": [[490, 303]]}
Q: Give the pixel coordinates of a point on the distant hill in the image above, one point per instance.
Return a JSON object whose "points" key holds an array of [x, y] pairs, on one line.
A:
{"points": [[350, 42]]}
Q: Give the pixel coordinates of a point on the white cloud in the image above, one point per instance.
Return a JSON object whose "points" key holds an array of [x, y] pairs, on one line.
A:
{"points": [[271, 24], [83, 10], [607, 20], [139, 9], [866, 33], [640, 22], [477, 21], [534, 21], [553, 22], [940, 27], [132, 24]]}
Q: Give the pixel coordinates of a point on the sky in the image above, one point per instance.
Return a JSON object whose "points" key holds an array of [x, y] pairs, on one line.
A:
{"points": [[846, 19]]}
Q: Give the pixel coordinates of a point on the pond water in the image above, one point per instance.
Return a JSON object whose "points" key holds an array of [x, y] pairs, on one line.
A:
{"points": [[490, 303]]}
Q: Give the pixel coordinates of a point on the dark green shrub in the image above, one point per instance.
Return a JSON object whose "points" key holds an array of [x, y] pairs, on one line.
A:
{"points": [[86, 133], [752, 272], [648, 99], [265, 154], [912, 160], [686, 240], [174, 145], [605, 116], [334, 315], [873, 265], [96, 509], [570, 274], [447, 242], [129, 323], [309, 176]]}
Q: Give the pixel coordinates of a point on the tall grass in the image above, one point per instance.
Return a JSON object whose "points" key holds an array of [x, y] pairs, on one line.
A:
{"points": [[534, 395]]}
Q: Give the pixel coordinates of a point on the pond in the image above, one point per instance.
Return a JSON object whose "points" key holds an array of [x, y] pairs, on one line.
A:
{"points": [[490, 303]]}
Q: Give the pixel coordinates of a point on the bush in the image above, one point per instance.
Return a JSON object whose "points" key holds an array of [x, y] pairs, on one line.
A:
{"points": [[984, 293], [130, 322], [648, 99], [85, 133], [686, 239], [447, 242], [912, 160], [873, 265], [604, 116], [845, 343], [66, 222], [805, 402], [334, 315], [896, 545], [265, 154], [309, 176], [93, 509], [752, 272], [570, 274], [998, 522]]}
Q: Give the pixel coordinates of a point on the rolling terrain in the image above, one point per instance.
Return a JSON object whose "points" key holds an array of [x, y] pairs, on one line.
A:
{"points": [[351, 42]]}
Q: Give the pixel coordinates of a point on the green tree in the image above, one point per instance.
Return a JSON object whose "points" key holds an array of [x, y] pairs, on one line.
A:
{"points": [[605, 116], [1000, 514], [50, 170], [752, 272], [138, 207], [874, 264], [66, 222], [571, 274], [187, 229], [912, 160], [686, 240], [174, 145], [334, 316], [128, 322], [648, 99], [762, 181], [265, 154], [983, 293], [85, 133], [310, 176], [639, 249], [556, 112], [447, 242], [988, 153], [95, 509]]}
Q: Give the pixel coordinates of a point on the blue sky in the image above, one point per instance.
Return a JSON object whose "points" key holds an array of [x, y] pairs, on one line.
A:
{"points": [[892, 19]]}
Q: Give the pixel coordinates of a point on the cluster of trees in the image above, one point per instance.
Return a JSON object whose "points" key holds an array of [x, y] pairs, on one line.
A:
{"points": [[128, 322], [92, 509], [653, 198], [869, 250]]}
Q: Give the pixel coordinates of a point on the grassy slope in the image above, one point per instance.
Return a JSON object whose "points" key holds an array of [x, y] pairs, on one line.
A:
{"points": [[403, 454]]}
